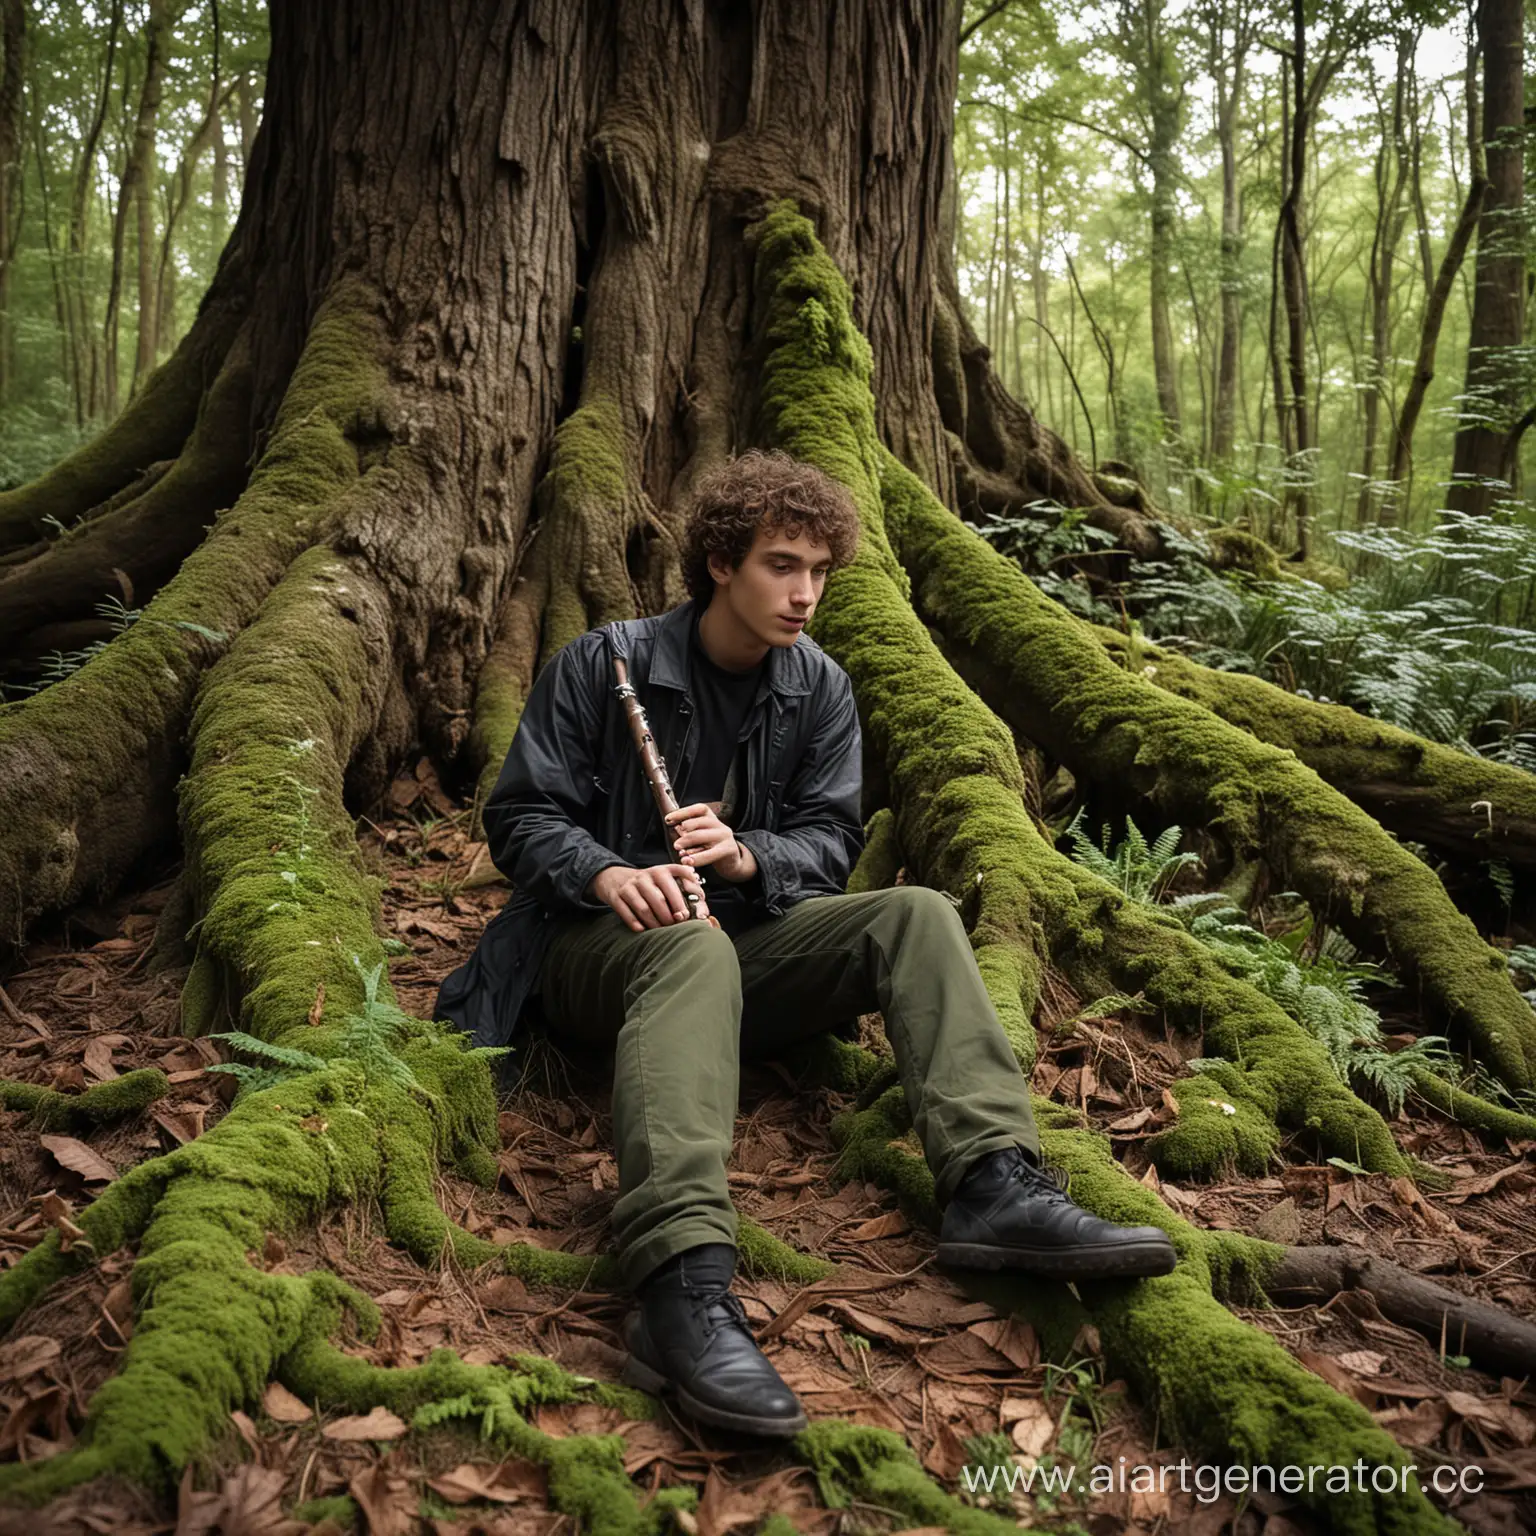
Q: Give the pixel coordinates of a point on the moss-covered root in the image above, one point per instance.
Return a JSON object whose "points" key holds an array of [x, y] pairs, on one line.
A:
{"points": [[955, 780], [858, 1463], [586, 1472], [1055, 683], [1223, 1387], [88, 766], [882, 858], [154, 426], [1461, 806], [149, 536], [1474, 1112], [117, 1216], [52, 1110]]}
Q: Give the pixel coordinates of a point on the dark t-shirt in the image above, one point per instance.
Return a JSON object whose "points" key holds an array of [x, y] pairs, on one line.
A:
{"points": [[722, 705]]}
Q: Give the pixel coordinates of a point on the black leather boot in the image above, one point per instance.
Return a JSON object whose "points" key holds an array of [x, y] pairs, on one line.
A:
{"points": [[689, 1339], [1009, 1213]]}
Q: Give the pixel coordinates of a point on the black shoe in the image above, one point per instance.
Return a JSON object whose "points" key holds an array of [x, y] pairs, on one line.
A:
{"points": [[689, 1339], [1008, 1213]]}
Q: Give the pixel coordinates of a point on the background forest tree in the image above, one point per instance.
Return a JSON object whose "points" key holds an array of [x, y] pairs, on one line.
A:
{"points": [[501, 280]]}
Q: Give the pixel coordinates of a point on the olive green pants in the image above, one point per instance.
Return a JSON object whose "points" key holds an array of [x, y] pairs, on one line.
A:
{"points": [[680, 1005]]}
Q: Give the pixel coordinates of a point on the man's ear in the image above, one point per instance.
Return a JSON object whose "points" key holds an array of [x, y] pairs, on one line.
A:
{"points": [[720, 567]]}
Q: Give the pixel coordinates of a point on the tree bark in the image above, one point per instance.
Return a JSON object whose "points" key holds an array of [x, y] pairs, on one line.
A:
{"points": [[1496, 382]]}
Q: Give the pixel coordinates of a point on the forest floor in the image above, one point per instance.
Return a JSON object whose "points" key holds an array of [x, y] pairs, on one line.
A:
{"points": [[889, 1340]]}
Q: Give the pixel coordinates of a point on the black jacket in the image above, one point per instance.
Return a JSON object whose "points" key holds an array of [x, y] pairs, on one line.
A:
{"points": [[572, 797]]}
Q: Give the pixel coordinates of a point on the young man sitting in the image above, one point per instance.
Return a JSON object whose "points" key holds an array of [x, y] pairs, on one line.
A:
{"points": [[760, 736]]}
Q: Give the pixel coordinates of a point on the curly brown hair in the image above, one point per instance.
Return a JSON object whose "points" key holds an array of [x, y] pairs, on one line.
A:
{"points": [[764, 489]]}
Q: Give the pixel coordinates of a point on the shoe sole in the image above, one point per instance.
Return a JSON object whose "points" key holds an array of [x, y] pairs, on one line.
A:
{"points": [[637, 1373], [1124, 1261]]}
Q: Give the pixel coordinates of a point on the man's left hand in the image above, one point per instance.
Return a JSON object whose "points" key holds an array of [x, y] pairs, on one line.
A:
{"points": [[704, 840]]}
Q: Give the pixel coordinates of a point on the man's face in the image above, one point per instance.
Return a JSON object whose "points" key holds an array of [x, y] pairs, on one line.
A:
{"points": [[774, 591]]}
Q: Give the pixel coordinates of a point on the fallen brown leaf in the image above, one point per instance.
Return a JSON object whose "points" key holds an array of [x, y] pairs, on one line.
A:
{"points": [[377, 1424], [386, 1500], [504, 1484], [26, 1356], [279, 1403], [1031, 1425], [892, 1224], [1494, 1413], [79, 1158]]}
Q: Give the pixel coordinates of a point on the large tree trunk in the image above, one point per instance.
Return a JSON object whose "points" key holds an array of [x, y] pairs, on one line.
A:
{"points": [[1497, 382], [504, 282]]}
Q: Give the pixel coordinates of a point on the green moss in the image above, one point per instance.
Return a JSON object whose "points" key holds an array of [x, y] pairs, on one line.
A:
{"points": [[858, 1463], [1224, 1388], [586, 1472], [1470, 1110], [111, 1100], [130, 704], [1218, 1127], [339, 1509], [882, 858], [1237, 549], [764, 1256], [587, 502]]}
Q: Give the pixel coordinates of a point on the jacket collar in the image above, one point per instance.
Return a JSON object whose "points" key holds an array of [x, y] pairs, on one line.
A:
{"points": [[786, 673]]}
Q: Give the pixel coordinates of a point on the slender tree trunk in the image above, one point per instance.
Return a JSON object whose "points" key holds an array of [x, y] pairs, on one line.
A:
{"points": [[1293, 287], [84, 350], [1228, 72], [13, 37], [1496, 378], [1393, 152], [1440, 290], [135, 192], [1163, 96]]}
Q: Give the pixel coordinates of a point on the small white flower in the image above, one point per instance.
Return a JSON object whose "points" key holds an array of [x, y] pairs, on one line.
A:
{"points": [[1223, 1106]]}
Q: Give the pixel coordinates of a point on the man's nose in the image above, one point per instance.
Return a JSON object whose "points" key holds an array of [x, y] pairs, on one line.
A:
{"points": [[804, 594]]}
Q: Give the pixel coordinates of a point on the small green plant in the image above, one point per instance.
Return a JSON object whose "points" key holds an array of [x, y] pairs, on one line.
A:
{"points": [[278, 1062], [860, 1347], [1137, 869], [1316, 978]]}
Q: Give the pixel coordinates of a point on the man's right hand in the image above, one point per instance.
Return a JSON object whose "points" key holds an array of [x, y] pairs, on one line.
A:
{"points": [[648, 898]]}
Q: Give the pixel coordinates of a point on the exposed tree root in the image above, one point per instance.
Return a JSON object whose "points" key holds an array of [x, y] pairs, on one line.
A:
{"points": [[1218, 1384], [1497, 1341], [1058, 686], [1470, 1110], [957, 786], [146, 538], [586, 1472], [861, 1463], [1003, 457], [153, 427], [52, 1110], [1465, 808], [87, 767], [130, 492]]}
